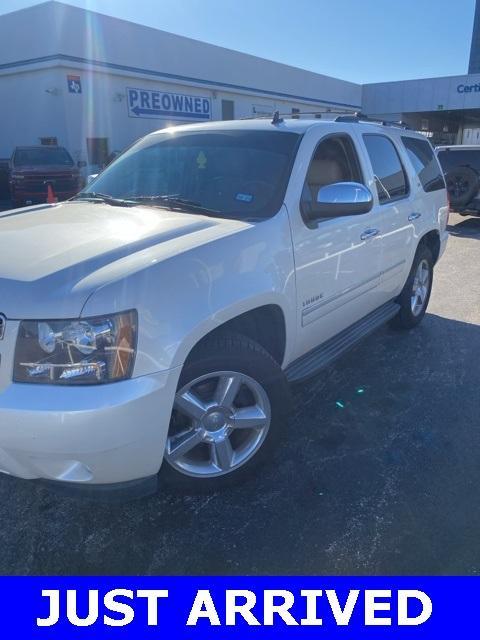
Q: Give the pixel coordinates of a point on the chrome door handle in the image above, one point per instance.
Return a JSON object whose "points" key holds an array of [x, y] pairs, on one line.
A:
{"points": [[369, 233], [414, 216]]}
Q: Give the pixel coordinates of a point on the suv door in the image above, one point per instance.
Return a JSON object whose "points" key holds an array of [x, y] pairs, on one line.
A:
{"points": [[395, 204], [430, 199], [337, 260]]}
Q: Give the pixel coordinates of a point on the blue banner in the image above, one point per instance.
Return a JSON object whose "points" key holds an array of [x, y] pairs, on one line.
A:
{"points": [[221, 607]]}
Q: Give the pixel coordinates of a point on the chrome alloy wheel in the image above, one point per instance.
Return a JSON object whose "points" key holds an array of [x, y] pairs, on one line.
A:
{"points": [[219, 422], [421, 283]]}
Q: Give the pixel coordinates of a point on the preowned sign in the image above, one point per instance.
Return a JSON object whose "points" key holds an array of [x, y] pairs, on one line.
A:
{"points": [[145, 103]]}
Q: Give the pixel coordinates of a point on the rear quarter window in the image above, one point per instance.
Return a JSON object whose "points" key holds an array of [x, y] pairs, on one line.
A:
{"points": [[425, 163]]}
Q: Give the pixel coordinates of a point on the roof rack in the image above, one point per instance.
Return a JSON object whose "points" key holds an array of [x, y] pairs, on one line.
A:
{"points": [[296, 114], [361, 117], [337, 115], [277, 118]]}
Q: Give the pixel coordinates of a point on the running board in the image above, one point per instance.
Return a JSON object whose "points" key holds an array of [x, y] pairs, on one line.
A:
{"points": [[309, 364]]}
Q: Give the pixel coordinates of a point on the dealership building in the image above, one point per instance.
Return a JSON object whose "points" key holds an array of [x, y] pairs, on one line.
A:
{"points": [[94, 84]]}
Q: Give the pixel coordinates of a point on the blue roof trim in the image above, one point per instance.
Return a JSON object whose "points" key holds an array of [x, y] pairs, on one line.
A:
{"points": [[171, 76]]}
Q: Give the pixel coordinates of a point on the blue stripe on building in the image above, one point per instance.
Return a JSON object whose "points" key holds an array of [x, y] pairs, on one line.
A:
{"points": [[170, 76]]}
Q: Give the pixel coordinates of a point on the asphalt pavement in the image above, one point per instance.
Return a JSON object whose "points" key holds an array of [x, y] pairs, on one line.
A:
{"points": [[378, 474]]}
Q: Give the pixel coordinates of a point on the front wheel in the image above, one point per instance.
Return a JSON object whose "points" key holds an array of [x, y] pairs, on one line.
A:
{"points": [[228, 413], [416, 293]]}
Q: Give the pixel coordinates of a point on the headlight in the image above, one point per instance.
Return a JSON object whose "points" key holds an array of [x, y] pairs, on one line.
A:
{"points": [[83, 351]]}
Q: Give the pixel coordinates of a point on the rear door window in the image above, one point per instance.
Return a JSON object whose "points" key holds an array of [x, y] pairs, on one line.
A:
{"points": [[424, 162], [390, 177]]}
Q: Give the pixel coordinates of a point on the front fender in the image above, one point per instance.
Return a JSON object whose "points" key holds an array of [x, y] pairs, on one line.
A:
{"points": [[182, 298]]}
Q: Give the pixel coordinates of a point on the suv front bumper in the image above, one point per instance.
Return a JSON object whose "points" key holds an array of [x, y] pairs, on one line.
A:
{"points": [[87, 436]]}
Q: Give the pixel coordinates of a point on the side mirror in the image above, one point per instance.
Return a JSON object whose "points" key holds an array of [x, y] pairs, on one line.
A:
{"points": [[81, 164], [342, 199]]}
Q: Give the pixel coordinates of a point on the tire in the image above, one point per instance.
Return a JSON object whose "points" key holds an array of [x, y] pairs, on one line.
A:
{"points": [[218, 448], [411, 314], [462, 186]]}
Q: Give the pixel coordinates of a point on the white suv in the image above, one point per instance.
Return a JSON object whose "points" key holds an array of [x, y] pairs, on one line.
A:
{"points": [[157, 318]]}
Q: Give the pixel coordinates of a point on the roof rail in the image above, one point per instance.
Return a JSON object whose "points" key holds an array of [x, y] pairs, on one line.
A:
{"points": [[277, 118], [360, 117], [336, 114], [296, 114]]}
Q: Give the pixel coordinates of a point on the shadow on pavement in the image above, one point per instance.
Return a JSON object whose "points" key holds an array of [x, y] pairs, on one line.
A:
{"points": [[468, 228]]}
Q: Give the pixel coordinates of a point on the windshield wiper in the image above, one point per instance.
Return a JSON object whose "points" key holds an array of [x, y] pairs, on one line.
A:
{"points": [[93, 196], [172, 202], [177, 203]]}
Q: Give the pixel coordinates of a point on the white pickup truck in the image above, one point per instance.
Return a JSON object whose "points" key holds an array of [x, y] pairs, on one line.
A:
{"points": [[150, 326]]}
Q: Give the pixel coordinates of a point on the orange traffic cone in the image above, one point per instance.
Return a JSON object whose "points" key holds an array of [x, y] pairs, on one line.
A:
{"points": [[51, 197]]}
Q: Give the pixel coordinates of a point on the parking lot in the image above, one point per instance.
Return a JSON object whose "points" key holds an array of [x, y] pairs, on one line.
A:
{"points": [[379, 473]]}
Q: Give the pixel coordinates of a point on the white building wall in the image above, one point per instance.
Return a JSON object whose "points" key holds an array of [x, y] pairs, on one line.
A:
{"points": [[430, 94], [30, 109], [40, 105], [470, 136]]}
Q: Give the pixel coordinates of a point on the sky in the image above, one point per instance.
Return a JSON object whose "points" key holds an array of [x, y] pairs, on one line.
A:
{"points": [[358, 40]]}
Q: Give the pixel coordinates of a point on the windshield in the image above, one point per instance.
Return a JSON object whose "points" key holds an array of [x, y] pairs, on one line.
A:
{"points": [[235, 173], [42, 156]]}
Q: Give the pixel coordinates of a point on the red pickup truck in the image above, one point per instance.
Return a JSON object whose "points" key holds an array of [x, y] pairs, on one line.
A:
{"points": [[32, 169]]}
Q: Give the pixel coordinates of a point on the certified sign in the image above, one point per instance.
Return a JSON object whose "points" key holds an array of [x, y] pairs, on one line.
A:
{"points": [[468, 88], [144, 103]]}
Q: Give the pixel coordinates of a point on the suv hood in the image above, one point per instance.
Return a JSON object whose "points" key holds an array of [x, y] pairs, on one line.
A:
{"points": [[54, 256]]}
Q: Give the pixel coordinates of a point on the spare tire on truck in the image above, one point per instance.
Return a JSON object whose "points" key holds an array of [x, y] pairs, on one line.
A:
{"points": [[463, 184]]}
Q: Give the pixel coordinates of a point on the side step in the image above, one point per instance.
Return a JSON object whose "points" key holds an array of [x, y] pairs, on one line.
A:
{"points": [[309, 364]]}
